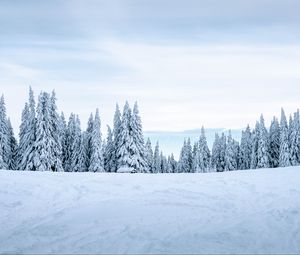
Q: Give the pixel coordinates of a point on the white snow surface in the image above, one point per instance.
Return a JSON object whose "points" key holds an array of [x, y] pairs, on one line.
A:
{"points": [[255, 211]]}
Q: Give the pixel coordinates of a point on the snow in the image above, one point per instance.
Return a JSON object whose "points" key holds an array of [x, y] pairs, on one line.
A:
{"points": [[254, 211]]}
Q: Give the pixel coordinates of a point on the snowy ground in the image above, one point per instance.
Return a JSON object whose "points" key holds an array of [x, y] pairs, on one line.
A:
{"points": [[234, 212]]}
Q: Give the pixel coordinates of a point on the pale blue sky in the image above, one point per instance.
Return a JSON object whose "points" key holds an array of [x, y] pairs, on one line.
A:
{"points": [[187, 63]]}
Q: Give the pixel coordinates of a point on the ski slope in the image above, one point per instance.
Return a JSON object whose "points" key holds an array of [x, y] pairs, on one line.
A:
{"points": [[256, 211]]}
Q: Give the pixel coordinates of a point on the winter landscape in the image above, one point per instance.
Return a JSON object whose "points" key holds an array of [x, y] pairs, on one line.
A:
{"points": [[149, 127]]}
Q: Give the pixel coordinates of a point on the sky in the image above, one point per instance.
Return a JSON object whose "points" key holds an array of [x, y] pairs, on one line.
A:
{"points": [[188, 63]]}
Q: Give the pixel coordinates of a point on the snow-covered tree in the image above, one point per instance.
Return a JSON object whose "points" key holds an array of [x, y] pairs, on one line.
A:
{"points": [[56, 132], [156, 160], [137, 146], [27, 134], [117, 136], [295, 140], [125, 140], [4, 136], [96, 162], [274, 143], [263, 145], [149, 155], [245, 149], [284, 150], [230, 154], [186, 157], [255, 139], [195, 158], [45, 158], [164, 163], [172, 164], [13, 147], [77, 148], [109, 153], [204, 153]]}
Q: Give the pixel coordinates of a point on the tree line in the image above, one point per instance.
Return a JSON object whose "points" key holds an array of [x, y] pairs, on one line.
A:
{"points": [[47, 142]]}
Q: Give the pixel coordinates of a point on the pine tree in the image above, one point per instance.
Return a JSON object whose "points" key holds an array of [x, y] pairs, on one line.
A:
{"points": [[195, 159], [149, 156], [117, 135], [164, 163], [56, 135], [186, 158], [88, 138], [44, 140], [156, 160], [274, 143], [137, 146], [245, 149], [63, 138], [255, 138], [295, 140], [263, 146], [4, 136], [97, 162], [77, 156], [172, 164], [124, 146], [284, 150], [27, 134], [230, 154], [109, 152], [204, 153], [13, 147]]}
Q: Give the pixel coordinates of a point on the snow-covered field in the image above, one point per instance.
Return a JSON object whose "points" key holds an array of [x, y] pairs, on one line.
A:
{"points": [[233, 212]]}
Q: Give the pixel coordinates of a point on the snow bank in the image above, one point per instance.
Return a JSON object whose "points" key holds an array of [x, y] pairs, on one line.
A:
{"points": [[233, 212]]}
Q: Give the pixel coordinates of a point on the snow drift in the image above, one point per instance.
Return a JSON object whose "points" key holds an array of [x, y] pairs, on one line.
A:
{"points": [[232, 212]]}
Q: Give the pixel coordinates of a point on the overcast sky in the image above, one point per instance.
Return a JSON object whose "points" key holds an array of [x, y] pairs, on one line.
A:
{"points": [[187, 63]]}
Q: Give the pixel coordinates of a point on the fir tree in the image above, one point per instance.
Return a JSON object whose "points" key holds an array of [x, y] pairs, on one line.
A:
{"points": [[117, 136], [109, 153], [149, 155], [274, 143], [156, 160], [97, 162], [295, 140], [263, 146], [230, 154], [245, 150], [137, 146], [204, 153], [284, 151]]}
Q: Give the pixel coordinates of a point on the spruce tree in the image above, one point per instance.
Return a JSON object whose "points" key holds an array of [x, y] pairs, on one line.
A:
{"points": [[117, 136], [295, 140], [137, 146], [97, 162], [274, 143], [149, 156], [230, 154], [156, 160], [255, 139], [13, 147], [204, 153], [4, 135], [109, 153], [245, 149], [263, 146], [284, 150]]}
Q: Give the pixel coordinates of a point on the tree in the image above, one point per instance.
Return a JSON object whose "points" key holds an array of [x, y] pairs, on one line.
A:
{"points": [[274, 143], [4, 136], [149, 156], [295, 140], [109, 161], [44, 158], [245, 149], [13, 147], [230, 154], [204, 153], [156, 160], [263, 145], [117, 135], [186, 157], [97, 162], [284, 151], [27, 134], [255, 138], [137, 146]]}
